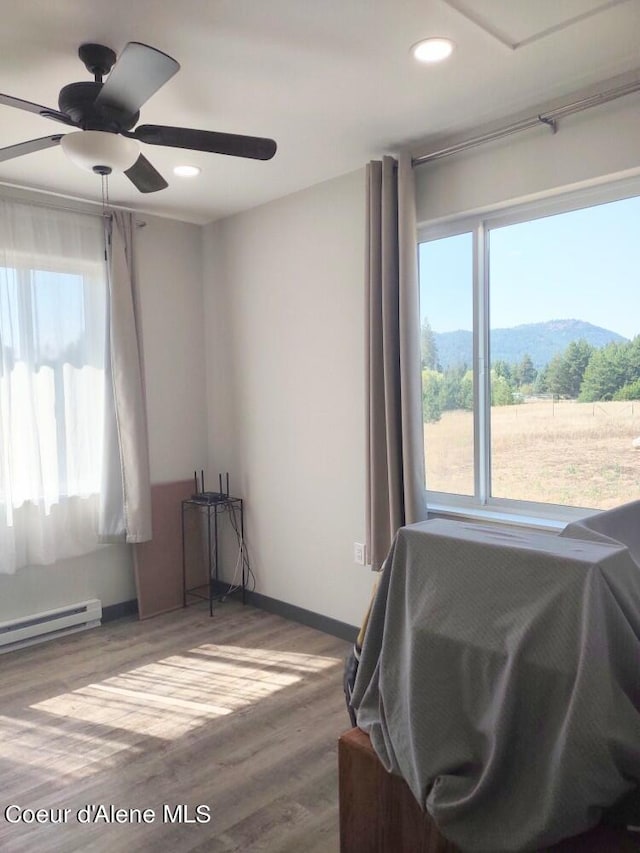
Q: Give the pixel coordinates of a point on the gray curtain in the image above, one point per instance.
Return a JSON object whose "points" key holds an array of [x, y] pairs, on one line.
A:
{"points": [[395, 444], [132, 481]]}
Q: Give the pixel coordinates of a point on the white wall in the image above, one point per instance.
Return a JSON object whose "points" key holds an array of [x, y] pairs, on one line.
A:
{"points": [[106, 574], [284, 309], [169, 275], [599, 143]]}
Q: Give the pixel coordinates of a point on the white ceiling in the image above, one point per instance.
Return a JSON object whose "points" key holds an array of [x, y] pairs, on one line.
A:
{"points": [[332, 81]]}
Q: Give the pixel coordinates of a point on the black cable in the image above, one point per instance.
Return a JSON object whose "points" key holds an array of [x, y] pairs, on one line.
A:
{"points": [[249, 576], [243, 558]]}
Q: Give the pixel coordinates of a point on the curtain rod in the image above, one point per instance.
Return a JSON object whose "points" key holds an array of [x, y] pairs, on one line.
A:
{"points": [[549, 118], [73, 206]]}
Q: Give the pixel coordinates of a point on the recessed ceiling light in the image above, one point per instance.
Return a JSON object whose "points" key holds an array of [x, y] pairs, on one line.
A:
{"points": [[432, 50], [186, 171]]}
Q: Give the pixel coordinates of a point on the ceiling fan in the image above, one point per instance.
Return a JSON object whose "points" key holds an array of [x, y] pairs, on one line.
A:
{"points": [[106, 112]]}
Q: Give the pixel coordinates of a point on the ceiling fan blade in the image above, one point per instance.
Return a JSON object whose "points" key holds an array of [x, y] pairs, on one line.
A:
{"points": [[235, 145], [144, 177], [28, 147], [47, 112], [139, 72]]}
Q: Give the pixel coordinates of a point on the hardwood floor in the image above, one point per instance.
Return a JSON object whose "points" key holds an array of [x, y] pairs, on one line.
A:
{"points": [[239, 714]]}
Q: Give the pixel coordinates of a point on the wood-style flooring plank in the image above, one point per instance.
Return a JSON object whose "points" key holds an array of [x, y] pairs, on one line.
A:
{"points": [[240, 713]]}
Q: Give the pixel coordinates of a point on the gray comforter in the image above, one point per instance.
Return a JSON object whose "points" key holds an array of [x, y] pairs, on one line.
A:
{"points": [[500, 676]]}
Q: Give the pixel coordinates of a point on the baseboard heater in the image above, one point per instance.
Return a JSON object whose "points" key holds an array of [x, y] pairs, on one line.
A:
{"points": [[39, 627]]}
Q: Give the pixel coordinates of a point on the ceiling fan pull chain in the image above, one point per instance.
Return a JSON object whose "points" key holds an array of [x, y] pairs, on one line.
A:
{"points": [[104, 180]]}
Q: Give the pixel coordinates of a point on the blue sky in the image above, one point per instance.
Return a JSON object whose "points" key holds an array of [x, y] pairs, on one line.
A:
{"points": [[57, 310], [583, 265]]}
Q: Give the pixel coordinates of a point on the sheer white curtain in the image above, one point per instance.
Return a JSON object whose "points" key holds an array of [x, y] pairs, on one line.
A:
{"points": [[54, 423]]}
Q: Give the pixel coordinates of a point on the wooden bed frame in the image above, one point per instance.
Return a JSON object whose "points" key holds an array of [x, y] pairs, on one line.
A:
{"points": [[379, 814]]}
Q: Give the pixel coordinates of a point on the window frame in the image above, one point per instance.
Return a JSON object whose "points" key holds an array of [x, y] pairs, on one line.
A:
{"points": [[482, 506]]}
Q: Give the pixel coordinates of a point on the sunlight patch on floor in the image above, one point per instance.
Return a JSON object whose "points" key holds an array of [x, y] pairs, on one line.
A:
{"points": [[170, 697]]}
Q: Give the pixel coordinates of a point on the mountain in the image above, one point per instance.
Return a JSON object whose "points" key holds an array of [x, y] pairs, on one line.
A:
{"points": [[541, 340]]}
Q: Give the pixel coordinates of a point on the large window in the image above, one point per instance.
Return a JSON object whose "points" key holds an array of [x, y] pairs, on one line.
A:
{"points": [[531, 355], [52, 391], [53, 387]]}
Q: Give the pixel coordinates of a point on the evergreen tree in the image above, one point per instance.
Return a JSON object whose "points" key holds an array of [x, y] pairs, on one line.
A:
{"points": [[502, 369], [555, 379], [466, 391], [541, 385], [607, 372], [566, 370], [429, 348], [501, 391], [451, 391], [633, 359], [525, 373], [630, 391], [431, 390]]}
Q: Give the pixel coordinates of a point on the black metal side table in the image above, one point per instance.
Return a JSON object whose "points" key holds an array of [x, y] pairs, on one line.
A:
{"points": [[212, 506]]}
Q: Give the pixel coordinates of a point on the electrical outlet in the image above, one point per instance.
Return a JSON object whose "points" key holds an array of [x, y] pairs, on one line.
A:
{"points": [[359, 553]]}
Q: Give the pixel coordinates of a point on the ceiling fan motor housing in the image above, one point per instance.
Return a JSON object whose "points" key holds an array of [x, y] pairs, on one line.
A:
{"points": [[97, 58], [78, 100]]}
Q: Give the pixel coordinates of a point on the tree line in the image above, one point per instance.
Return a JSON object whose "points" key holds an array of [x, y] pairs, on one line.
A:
{"points": [[581, 372]]}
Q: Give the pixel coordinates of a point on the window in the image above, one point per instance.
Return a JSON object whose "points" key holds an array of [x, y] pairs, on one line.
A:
{"points": [[53, 383], [531, 355]]}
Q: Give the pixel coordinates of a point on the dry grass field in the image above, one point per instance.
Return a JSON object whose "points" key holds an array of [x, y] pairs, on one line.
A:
{"points": [[577, 454]]}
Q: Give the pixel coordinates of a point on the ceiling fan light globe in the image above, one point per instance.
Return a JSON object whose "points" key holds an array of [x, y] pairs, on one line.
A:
{"points": [[97, 149]]}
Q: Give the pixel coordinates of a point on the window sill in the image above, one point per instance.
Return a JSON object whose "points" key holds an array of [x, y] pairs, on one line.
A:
{"points": [[498, 516]]}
